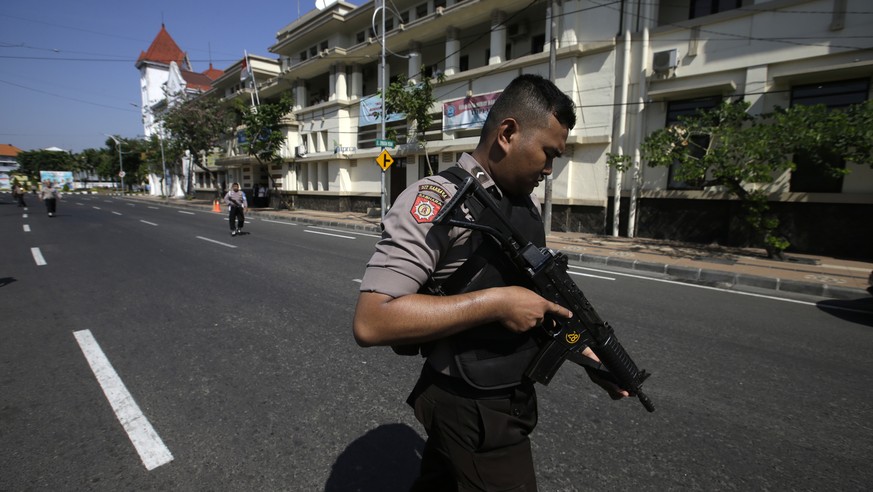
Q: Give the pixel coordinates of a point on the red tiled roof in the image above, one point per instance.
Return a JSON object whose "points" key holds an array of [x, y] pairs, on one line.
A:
{"points": [[164, 50], [196, 80], [9, 150], [213, 73]]}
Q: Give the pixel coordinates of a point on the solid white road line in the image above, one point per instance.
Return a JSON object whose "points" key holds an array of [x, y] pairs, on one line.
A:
{"points": [[37, 257], [184, 212], [155, 208], [216, 242], [148, 443], [26, 228], [147, 222], [368, 234], [278, 222], [326, 234]]}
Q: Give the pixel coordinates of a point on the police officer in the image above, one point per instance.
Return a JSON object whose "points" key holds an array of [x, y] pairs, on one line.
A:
{"points": [[472, 397]]}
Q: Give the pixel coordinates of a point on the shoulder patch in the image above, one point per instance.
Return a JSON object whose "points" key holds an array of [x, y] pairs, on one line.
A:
{"points": [[425, 208], [435, 189]]}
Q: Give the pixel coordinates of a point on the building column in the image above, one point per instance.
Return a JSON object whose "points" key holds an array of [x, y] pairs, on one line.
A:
{"points": [[331, 83], [453, 51], [342, 89], [299, 94], [414, 71], [357, 82], [756, 85], [498, 37]]}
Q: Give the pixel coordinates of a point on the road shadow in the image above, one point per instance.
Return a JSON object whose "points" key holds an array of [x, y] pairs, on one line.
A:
{"points": [[4, 281], [384, 459], [858, 311]]}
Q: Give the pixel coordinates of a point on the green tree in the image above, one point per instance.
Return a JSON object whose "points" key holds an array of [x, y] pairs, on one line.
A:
{"points": [[196, 125], [265, 137], [727, 147], [415, 100], [131, 161], [31, 162]]}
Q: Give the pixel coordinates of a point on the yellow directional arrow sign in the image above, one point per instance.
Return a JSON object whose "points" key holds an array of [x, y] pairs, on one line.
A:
{"points": [[384, 160]]}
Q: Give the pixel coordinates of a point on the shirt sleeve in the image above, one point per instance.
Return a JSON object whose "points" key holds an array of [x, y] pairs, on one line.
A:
{"points": [[412, 248]]}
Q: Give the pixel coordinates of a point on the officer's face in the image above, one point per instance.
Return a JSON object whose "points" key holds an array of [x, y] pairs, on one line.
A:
{"points": [[529, 157]]}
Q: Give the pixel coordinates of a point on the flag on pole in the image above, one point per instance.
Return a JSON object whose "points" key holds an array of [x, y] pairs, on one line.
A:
{"points": [[245, 72]]}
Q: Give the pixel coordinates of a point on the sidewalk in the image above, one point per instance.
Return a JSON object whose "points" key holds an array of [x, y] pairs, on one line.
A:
{"points": [[705, 264]]}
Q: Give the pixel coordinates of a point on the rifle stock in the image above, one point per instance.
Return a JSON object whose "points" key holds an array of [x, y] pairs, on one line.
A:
{"points": [[547, 270]]}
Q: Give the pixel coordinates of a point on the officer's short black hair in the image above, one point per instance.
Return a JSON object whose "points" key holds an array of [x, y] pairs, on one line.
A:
{"points": [[530, 99]]}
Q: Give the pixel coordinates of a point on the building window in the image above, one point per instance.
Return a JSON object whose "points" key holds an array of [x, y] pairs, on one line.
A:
{"points": [[809, 177], [538, 43], [303, 56], [389, 24], [688, 107], [361, 36], [699, 8], [464, 63], [322, 46], [421, 10], [313, 51], [404, 17]]}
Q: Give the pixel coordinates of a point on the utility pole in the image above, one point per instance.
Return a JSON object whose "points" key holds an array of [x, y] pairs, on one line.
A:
{"points": [[120, 166], [547, 202], [384, 198]]}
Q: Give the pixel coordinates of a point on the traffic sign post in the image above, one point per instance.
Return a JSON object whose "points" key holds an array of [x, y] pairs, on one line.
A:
{"points": [[384, 160]]}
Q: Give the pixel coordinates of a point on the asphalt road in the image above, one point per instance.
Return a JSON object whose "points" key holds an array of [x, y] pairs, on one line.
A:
{"points": [[234, 369]]}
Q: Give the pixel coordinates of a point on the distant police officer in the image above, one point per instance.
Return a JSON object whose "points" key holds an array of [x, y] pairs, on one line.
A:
{"points": [[237, 205], [472, 397]]}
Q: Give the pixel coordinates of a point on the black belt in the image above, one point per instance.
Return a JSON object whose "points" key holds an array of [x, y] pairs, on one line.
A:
{"points": [[459, 387]]}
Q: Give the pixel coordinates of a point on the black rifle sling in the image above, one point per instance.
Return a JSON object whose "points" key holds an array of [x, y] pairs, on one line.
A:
{"points": [[460, 278]]}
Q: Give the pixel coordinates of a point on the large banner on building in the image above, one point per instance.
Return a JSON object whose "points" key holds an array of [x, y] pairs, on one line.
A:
{"points": [[57, 178], [371, 112], [467, 113]]}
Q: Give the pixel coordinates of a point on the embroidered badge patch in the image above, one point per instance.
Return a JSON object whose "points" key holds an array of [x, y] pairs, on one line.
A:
{"points": [[425, 208]]}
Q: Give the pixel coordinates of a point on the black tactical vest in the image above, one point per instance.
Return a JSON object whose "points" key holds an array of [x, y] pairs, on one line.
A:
{"points": [[491, 356]]}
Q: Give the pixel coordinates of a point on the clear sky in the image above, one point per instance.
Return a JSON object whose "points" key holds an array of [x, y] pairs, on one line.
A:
{"points": [[67, 68]]}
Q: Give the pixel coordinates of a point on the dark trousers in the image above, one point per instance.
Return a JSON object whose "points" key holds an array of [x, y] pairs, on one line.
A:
{"points": [[236, 218], [21, 200], [475, 444], [51, 204]]}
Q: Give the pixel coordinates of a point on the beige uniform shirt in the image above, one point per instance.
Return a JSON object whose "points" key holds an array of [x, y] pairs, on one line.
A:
{"points": [[413, 251]]}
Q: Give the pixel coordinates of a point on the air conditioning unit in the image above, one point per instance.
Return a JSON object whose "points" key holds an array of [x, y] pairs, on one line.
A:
{"points": [[324, 53], [440, 10], [300, 151], [516, 30], [664, 61]]}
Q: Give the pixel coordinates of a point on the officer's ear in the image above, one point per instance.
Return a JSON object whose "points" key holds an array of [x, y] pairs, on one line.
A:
{"points": [[507, 132]]}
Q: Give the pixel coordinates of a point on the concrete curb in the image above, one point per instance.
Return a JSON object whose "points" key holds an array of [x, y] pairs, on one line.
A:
{"points": [[719, 277]]}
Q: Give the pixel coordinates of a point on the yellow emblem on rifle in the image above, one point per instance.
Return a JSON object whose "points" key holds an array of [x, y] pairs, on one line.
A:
{"points": [[572, 338]]}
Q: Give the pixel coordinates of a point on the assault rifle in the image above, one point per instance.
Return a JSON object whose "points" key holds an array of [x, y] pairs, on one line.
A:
{"points": [[547, 271]]}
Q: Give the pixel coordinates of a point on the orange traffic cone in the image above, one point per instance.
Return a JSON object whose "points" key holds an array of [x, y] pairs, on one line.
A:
{"points": [[215, 206]]}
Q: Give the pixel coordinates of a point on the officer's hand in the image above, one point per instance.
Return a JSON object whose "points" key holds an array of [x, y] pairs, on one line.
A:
{"points": [[605, 381], [525, 309]]}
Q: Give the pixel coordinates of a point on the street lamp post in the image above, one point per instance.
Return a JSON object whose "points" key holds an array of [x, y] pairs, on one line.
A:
{"points": [[120, 166]]}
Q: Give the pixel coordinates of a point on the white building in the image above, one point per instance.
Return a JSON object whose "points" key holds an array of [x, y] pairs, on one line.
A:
{"points": [[166, 77], [631, 67]]}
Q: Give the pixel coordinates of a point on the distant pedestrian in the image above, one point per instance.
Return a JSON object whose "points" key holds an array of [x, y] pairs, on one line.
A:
{"points": [[49, 194], [236, 200], [18, 195]]}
